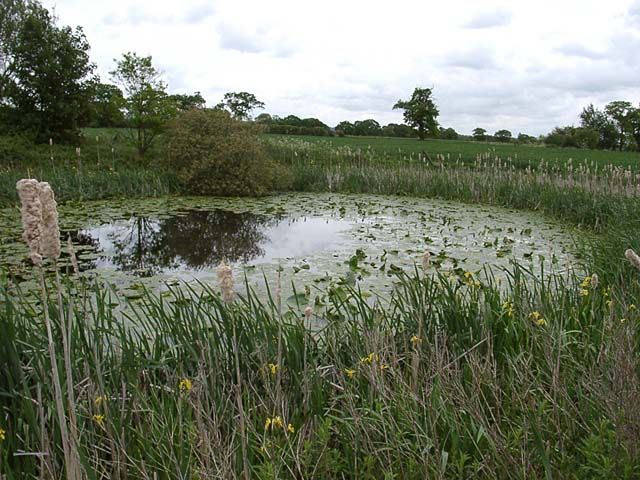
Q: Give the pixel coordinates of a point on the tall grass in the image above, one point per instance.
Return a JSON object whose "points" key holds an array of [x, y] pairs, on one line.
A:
{"points": [[534, 379]]}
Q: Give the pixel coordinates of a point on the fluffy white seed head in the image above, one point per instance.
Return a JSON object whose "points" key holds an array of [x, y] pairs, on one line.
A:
{"points": [[633, 258], [594, 281], [426, 260], [50, 234], [225, 278], [31, 210]]}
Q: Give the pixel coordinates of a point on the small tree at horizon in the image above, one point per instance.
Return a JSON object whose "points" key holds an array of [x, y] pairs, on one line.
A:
{"points": [[240, 104], [479, 134], [420, 112], [147, 105]]}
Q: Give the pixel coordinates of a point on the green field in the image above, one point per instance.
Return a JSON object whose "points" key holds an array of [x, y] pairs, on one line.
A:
{"points": [[405, 149]]}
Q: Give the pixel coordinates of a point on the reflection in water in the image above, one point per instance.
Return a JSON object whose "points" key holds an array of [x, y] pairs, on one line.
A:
{"points": [[195, 240]]}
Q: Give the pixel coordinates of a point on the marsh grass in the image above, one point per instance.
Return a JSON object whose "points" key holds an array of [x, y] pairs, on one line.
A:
{"points": [[484, 391]]}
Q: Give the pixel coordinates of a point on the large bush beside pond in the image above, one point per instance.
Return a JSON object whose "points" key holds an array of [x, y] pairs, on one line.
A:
{"points": [[213, 154]]}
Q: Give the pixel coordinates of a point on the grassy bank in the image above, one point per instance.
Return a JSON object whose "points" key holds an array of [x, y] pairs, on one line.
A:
{"points": [[453, 378]]}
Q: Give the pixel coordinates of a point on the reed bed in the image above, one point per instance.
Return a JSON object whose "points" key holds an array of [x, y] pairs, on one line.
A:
{"points": [[452, 377]]}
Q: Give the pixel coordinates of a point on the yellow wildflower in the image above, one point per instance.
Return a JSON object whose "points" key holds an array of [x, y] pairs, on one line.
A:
{"points": [[538, 319], [586, 283], [609, 303], [276, 422], [584, 292], [290, 428], [99, 419], [273, 368], [508, 308], [99, 400], [185, 385], [267, 423], [3, 434], [350, 372], [622, 320], [416, 340], [468, 275], [632, 307], [369, 358], [383, 366]]}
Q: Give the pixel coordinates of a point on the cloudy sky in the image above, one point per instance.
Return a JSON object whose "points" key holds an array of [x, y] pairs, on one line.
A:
{"points": [[521, 65]]}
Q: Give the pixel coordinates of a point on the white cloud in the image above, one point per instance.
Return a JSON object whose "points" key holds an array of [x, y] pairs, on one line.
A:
{"points": [[506, 64]]}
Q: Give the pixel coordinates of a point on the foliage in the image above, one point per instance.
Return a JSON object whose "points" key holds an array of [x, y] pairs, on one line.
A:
{"points": [[479, 134], [240, 104], [578, 137], [598, 120], [502, 136], [46, 75], [184, 101], [620, 112], [214, 154], [107, 104], [448, 134], [147, 105], [420, 112]]}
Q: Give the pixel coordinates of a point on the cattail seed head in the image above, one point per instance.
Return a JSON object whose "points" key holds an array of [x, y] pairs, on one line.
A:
{"points": [[426, 260], [308, 312], [594, 281], [31, 210], [633, 258], [50, 234], [225, 278]]}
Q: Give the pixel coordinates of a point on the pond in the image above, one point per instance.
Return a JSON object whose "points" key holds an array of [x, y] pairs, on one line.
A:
{"points": [[309, 240]]}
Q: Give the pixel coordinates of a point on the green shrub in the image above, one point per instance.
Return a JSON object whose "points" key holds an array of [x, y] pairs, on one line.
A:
{"points": [[213, 154]]}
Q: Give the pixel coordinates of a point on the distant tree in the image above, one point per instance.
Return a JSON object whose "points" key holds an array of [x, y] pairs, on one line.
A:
{"points": [[502, 136], [345, 128], [240, 104], [147, 105], [264, 118], [570, 136], [448, 134], [45, 72], [620, 112], [479, 134], [291, 120], [184, 102], [420, 112], [398, 130], [598, 120], [524, 138], [634, 126], [107, 105], [368, 127]]}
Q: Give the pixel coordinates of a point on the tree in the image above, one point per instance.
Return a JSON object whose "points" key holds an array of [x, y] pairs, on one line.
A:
{"points": [[620, 111], [634, 122], [240, 104], [598, 120], [524, 138], [184, 102], [345, 128], [368, 127], [45, 72], [479, 134], [107, 104], [420, 112], [264, 118], [448, 134], [147, 105], [214, 154], [502, 136]]}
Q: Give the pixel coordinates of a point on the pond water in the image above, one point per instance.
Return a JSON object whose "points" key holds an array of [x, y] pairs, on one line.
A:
{"points": [[313, 240]]}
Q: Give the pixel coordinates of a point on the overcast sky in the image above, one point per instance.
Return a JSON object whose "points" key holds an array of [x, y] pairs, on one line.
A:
{"points": [[522, 65]]}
